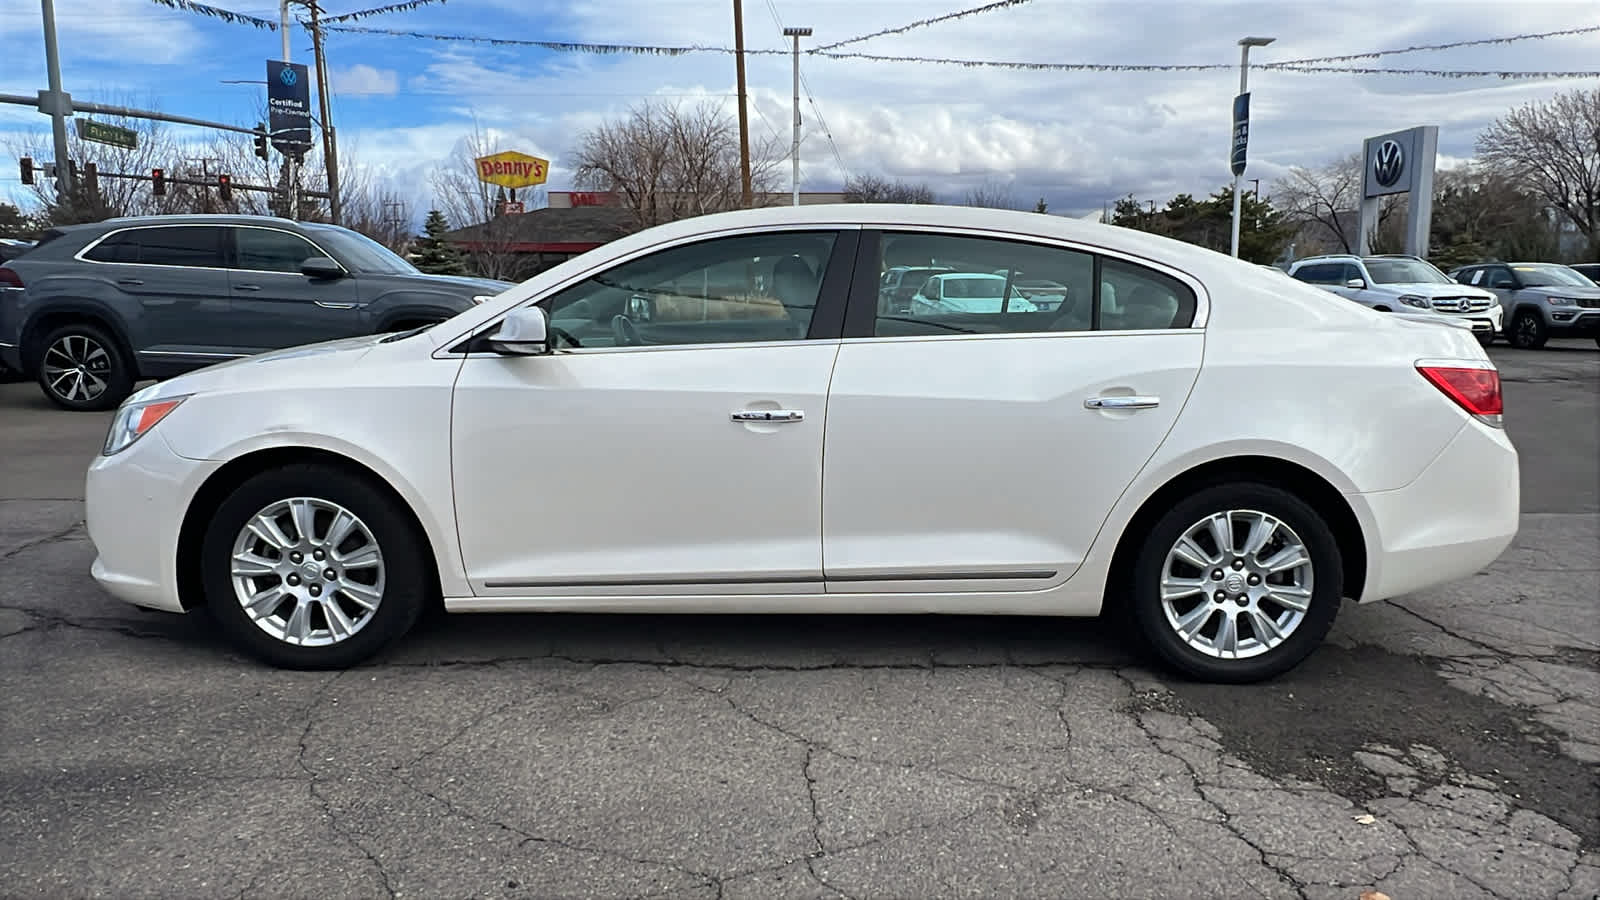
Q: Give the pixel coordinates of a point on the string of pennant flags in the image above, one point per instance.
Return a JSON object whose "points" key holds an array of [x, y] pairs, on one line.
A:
{"points": [[1310, 65]]}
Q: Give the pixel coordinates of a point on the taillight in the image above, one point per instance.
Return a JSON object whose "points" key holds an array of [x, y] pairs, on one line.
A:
{"points": [[9, 277], [1473, 385]]}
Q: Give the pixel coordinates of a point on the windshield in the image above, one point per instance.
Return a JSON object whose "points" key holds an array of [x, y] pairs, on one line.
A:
{"points": [[1405, 271], [1550, 276], [361, 253]]}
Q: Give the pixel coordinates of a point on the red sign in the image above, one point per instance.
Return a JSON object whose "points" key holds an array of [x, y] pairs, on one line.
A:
{"points": [[512, 208]]}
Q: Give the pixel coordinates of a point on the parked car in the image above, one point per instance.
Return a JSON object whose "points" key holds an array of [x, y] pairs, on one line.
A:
{"points": [[95, 308], [1224, 455], [967, 292], [1590, 271], [1397, 283], [1541, 300], [899, 284]]}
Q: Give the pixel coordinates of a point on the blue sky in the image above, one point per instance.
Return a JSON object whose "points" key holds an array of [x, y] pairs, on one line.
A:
{"points": [[1079, 139]]}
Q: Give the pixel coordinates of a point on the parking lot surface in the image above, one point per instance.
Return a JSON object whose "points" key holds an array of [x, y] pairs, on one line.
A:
{"points": [[1443, 745]]}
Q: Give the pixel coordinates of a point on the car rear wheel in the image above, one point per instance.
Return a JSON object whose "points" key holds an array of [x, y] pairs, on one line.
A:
{"points": [[1237, 583], [83, 369], [1528, 331], [309, 567]]}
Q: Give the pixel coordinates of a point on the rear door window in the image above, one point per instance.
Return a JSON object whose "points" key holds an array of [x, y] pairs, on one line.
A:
{"points": [[191, 246]]}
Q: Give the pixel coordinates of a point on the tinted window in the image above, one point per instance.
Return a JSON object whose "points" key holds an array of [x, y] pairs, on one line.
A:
{"points": [[1500, 278], [1134, 297], [1320, 273], [181, 245], [266, 250], [746, 288], [967, 285]]}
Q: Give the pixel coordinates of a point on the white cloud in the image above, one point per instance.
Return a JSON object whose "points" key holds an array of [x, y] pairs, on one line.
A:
{"points": [[362, 80]]}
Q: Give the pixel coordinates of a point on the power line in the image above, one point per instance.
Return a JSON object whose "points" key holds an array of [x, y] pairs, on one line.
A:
{"points": [[920, 23], [1204, 67], [379, 10], [1422, 47]]}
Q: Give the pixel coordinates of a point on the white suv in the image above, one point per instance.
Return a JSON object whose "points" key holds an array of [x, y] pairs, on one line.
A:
{"points": [[1406, 284]]}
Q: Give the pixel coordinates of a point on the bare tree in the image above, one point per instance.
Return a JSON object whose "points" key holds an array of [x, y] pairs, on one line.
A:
{"points": [[467, 201], [1330, 197], [156, 148], [1553, 149], [992, 193], [869, 188], [666, 162]]}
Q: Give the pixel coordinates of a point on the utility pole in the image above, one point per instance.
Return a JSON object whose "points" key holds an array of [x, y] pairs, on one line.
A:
{"points": [[797, 34], [59, 106], [291, 169], [330, 154], [1244, 86], [744, 115]]}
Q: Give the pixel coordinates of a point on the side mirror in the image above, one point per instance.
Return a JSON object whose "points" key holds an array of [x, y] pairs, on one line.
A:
{"points": [[1356, 283], [523, 332], [641, 308], [321, 267]]}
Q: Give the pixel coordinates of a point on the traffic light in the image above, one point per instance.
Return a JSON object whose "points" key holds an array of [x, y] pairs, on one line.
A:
{"points": [[91, 178], [158, 183], [27, 169], [261, 140], [225, 187]]}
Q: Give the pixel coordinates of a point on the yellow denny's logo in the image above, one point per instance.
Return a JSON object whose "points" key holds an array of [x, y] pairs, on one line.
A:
{"points": [[512, 169]]}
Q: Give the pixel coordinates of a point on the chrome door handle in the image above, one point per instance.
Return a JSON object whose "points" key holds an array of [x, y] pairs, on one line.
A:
{"points": [[769, 415], [1122, 402], [325, 305]]}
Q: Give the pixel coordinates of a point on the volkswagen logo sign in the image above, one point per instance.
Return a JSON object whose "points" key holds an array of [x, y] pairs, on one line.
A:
{"points": [[287, 76], [1388, 163]]}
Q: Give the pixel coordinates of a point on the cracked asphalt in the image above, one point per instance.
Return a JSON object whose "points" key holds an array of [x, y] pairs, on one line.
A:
{"points": [[1444, 745]]}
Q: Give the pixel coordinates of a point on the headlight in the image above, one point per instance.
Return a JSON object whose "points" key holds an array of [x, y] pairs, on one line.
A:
{"points": [[1414, 300], [1561, 301], [134, 419], [482, 298]]}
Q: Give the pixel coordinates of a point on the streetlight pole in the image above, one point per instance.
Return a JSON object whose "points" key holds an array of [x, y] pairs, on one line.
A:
{"points": [[797, 34], [744, 114], [291, 170], [58, 107], [1244, 85]]}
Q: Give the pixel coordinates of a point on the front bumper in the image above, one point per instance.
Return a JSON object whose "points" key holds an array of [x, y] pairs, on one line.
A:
{"points": [[1570, 322], [1455, 519], [134, 506]]}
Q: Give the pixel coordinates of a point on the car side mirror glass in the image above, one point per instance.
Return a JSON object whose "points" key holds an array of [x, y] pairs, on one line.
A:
{"points": [[1356, 283], [641, 308], [321, 267], [523, 332]]}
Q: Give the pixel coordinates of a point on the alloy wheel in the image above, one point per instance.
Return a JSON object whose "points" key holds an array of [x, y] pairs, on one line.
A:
{"points": [[308, 572], [76, 367], [1236, 584]]}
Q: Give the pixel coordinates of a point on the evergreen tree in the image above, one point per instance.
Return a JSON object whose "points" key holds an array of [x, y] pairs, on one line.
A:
{"points": [[435, 255]]}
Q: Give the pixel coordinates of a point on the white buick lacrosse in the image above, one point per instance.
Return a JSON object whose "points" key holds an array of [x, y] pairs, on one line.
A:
{"points": [[745, 412]]}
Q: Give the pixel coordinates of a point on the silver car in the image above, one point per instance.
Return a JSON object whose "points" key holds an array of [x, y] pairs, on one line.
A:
{"points": [[1541, 300]]}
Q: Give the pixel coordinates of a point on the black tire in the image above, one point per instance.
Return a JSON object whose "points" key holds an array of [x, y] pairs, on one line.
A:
{"points": [[1381, 309], [1527, 331], [101, 356], [1327, 585], [1486, 339], [407, 584]]}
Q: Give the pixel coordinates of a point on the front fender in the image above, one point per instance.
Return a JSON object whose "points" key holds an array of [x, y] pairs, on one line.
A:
{"points": [[410, 303]]}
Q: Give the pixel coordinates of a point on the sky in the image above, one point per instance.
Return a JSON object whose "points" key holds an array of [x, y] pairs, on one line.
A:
{"points": [[1077, 139]]}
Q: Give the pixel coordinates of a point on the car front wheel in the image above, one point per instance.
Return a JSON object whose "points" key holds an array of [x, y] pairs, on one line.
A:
{"points": [[1528, 331], [311, 567], [1237, 583]]}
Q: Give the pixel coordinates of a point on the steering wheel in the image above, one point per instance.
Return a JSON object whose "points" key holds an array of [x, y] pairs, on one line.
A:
{"points": [[623, 333]]}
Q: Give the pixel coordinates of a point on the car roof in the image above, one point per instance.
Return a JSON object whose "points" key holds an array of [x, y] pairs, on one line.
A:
{"points": [[195, 219]]}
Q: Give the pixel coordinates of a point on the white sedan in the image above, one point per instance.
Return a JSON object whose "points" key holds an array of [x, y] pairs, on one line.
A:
{"points": [[716, 416]]}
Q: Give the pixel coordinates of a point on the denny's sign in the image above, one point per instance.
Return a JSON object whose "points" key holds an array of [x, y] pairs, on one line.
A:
{"points": [[512, 169]]}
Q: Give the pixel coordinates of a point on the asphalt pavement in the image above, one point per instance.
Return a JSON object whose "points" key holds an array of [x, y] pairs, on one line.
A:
{"points": [[1443, 745]]}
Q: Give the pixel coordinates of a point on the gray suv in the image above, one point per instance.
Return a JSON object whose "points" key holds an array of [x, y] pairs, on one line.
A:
{"points": [[95, 308], [1541, 300]]}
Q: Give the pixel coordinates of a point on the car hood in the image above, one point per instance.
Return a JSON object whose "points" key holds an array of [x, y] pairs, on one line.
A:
{"points": [[1565, 290], [1428, 289], [488, 285], [314, 361]]}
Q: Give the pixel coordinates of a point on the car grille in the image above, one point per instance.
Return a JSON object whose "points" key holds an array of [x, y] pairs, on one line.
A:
{"points": [[1589, 302], [1461, 304]]}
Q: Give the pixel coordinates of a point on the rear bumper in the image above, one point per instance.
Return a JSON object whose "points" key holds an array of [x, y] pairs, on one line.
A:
{"points": [[1455, 519]]}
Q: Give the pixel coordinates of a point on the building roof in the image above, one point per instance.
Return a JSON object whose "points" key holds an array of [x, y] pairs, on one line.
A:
{"points": [[546, 229]]}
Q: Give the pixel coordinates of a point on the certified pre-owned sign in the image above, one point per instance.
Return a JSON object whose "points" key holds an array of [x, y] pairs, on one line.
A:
{"points": [[288, 107]]}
